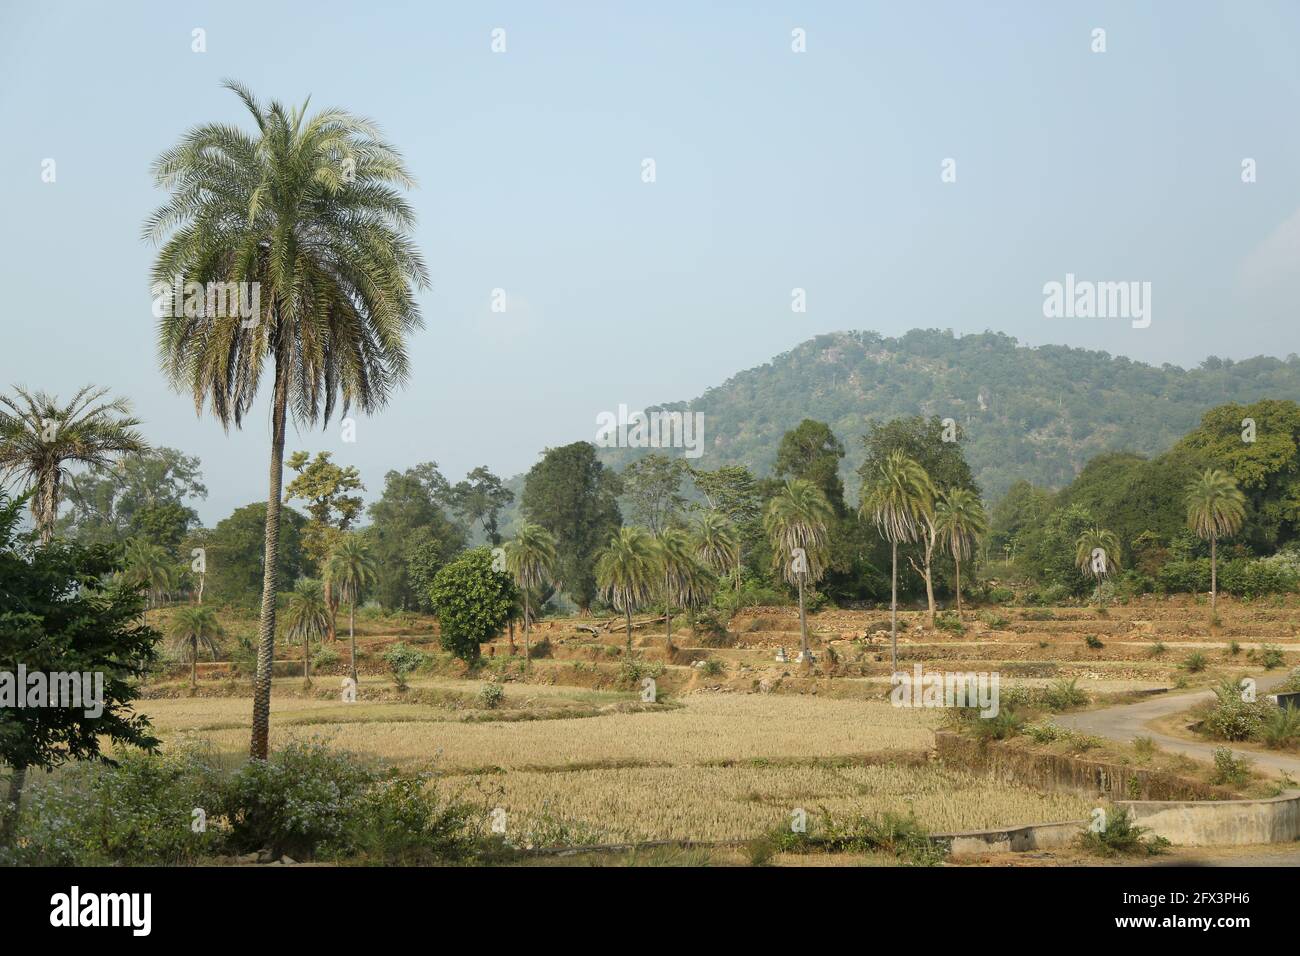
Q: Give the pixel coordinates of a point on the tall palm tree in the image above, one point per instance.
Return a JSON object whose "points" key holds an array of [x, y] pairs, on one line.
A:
{"points": [[148, 567], [1086, 559], [961, 522], [799, 517], [194, 625], [305, 210], [1216, 509], [40, 438], [717, 545], [680, 574], [531, 560], [306, 618], [627, 570], [350, 570], [899, 498]]}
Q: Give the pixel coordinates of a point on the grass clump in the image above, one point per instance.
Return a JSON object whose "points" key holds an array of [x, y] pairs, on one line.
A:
{"points": [[1120, 835]]}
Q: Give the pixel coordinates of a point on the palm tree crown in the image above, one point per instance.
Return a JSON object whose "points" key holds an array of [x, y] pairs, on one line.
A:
{"points": [[961, 521], [1089, 542], [350, 569], [1216, 508], [626, 570], [899, 498], [717, 545], [799, 517], [530, 556], [39, 438]]}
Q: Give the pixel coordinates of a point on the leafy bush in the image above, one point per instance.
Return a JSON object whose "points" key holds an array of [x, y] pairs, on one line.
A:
{"points": [[997, 622], [325, 657], [901, 836], [1270, 657], [1064, 694], [1232, 718], [402, 659], [633, 669], [1230, 770], [1121, 835], [1003, 725], [1195, 662], [1094, 642], [491, 695], [139, 812], [947, 621], [473, 602], [711, 667]]}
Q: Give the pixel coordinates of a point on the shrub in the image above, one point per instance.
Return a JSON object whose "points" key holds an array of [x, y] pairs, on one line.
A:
{"points": [[1045, 733], [400, 818], [1003, 725], [303, 798], [633, 669], [901, 836], [402, 659], [1064, 694], [1232, 718], [997, 622], [1281, 728], [324, 658], [711, 667], [1145, 747], [1121, 835], [473, 603], [1195, 663], [136, 813], [1230, 770], [1094, 642], [947, 621], [1157, 649], [491, 695], [1270, 657]]}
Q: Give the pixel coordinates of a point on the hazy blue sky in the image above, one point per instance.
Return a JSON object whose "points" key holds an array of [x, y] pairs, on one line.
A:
{"points": [[775, 170]]}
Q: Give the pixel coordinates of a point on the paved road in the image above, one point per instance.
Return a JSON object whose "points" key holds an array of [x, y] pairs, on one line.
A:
{"points": [[1126, 721]]}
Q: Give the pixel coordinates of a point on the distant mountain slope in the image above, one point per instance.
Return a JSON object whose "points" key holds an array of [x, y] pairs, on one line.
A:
{"points": [[1034, 413]]}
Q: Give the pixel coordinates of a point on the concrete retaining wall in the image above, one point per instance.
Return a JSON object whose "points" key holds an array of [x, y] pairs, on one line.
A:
{"points": [[1032, 836], [1220, 822]]}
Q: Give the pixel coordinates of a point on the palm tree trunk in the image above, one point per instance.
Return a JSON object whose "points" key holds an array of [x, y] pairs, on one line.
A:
{"points": [[1214, 573], [9, 816], [259, 746], [803, 624], [512, 634], [352, 638], [202, 578], [957, 585], [46, 504], [929, 579], [668, 615], [306, 650], [893, 607], [194, 665], [629, 630], [527, 647]]}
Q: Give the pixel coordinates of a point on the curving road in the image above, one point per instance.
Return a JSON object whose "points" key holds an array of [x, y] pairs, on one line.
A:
{"points": [[1124, 722]]}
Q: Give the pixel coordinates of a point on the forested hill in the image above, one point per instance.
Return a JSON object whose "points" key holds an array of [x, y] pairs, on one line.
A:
{"points": [[1034, 413]]}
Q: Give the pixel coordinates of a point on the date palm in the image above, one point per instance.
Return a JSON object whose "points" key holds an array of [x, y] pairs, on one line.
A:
{"points": [[40, 438], [307, 210], [531, 560], [797, 523], [1216, 509], [305, 619], [349, 571], [899, 499], [195, 625], [961, 522], [684, 580], [149, 568], [627, 572], [717, 545], [1096, 554]]}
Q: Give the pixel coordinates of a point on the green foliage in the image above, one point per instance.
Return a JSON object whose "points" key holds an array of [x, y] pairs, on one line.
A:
{"points": [[1195, 662], [898, 835], [573, 496], [1094, 642], [1065, 694], [1281, 728], [473, 603], [411, 538], [402, 660], [491, 695], [811, 452], [236, 549], [1229, 770], [479, 499], [331, 508], [652, 491], [1122, 836]]}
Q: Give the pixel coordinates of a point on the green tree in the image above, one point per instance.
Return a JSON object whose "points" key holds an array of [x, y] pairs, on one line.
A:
{"points": [[306, 618], [717, 545], [57, 616], [41, 439], [236, 549], [304, 210], [1216, 509], [531, 561], [797, 524], [652, 489], [149, 568], [192, 626], [331, 509], [143, 495], [349, 571], [478, 500], [626, 572], [574, 497], [812, 452], [961, 522], [899, 499], [473, 602], [411, 536], [685, 580]]}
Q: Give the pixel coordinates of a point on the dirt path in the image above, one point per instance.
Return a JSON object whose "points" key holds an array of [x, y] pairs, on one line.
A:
{"points": [[1126, 721]]}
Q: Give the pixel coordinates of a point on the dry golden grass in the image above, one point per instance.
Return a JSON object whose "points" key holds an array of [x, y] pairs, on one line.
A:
{"points": [[735, 803]]}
